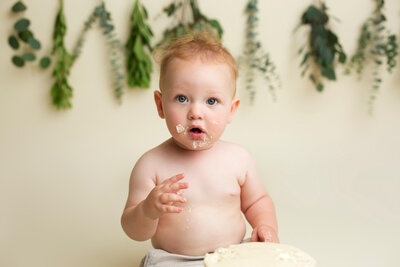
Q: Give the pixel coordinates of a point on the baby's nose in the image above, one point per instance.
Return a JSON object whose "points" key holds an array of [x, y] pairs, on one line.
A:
{"points": [[195, 112]]}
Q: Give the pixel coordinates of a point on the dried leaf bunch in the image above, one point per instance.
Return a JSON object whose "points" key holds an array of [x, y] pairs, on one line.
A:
{"points": [[188, 18], [138, 48], [323, 47], [24, 38], [255, 59], [376, 47]]}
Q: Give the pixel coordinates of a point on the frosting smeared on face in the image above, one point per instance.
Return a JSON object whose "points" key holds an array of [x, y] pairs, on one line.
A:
{"points": [[204, 141], [180, 128]]}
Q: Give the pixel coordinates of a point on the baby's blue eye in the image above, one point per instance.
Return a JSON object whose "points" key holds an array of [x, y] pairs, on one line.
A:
{"points": [[181, 98], [212, 101]]}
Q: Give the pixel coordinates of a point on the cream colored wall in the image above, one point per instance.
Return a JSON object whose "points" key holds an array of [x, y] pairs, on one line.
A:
{"points": [[332, 170]]}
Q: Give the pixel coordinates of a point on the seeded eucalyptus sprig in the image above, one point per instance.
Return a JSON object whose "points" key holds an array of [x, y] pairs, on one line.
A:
{"points": [[61, 91], [25, 35], [255, 58], [197, 22], [323, 47], [375, 46], [82, 36], [115, 48], [139, 65]]}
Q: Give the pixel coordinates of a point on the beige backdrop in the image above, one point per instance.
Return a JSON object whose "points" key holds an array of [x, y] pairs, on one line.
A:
{"points": [[332, 170]]}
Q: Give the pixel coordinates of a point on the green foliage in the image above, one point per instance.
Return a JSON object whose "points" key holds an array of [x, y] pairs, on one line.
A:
{"points": [[29, 57], [375, 46], [18, 61], [25, 35], [139, 65], [61, 91], [44, 62], [13, 42], [76, 51], [198, 21], [115, 47], [101, 14], [323, 45], [255, 59], [22, 25], [18, 7]]}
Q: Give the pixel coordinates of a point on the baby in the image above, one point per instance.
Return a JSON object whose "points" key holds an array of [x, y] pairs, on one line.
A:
{"points": [[188, 194]]}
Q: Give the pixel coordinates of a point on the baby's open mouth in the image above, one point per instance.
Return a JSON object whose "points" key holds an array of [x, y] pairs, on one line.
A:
{"points": [[196, 133], [196, 130]]}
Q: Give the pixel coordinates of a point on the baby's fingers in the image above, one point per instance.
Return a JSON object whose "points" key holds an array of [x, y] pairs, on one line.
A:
{"points": [[171, 197], [175, 178], [171, 209], [175, 187], [172, 185]]}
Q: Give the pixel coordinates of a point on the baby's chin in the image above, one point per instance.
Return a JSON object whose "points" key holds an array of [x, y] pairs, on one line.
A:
{"points": [[194, 144]]}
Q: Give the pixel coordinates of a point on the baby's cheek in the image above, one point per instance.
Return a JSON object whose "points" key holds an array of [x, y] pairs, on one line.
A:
{"points": [[216, 129]]}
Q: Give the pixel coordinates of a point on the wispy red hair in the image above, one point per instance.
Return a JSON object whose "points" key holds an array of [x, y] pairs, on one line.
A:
{"points": [[199, 45]]}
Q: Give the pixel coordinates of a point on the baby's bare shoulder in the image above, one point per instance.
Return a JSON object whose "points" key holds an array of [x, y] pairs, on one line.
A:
{"points": [[154, 155], [235, 150]]}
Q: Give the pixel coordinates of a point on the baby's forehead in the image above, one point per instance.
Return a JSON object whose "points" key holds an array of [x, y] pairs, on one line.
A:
{"points": [[197, 62], [179, 63], [212, 76]]}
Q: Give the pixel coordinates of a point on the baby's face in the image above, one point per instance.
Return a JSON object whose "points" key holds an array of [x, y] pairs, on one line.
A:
{"points": [[197, 102]]}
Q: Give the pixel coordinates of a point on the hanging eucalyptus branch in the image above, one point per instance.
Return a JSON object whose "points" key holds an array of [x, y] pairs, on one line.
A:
{"points": [[197, 22], [255, 59], [61, 91], [323, 47], [376, 45], [76, 51], [138, 64], [115, 48], [25, 35]]}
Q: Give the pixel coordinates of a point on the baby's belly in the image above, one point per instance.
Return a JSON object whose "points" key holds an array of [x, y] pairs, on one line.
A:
{"points": [[198, 230]]}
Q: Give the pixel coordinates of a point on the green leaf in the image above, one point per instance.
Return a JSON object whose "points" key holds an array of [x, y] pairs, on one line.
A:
{"points": [[342, 57], [13, 41], [18, 7], [138, 49], [25, 35], [28, 57], [18, 61], [328, 73], [312, 78], [214, 23], [45, 62], [197, 26], [180, 30], [35, 44], [306, 56], [22, 25], [169, 9], [320, 87]]}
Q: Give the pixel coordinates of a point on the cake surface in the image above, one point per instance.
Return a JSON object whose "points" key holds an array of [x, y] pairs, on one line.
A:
{"points": [[258, 254]]}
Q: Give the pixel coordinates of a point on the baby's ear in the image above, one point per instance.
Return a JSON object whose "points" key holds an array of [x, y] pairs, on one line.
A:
{"points": [[234, 106], [158, 100]]}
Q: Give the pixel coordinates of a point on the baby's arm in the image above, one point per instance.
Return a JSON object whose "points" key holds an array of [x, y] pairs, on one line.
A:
{"points": [[258, 207], [148, 201]]}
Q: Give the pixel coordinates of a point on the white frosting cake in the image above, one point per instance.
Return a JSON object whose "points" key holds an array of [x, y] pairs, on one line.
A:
{"points": [[258, 254]]}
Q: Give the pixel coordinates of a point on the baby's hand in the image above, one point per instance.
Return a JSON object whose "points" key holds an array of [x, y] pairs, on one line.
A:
{"points": [[264, 233], [161, 198]]}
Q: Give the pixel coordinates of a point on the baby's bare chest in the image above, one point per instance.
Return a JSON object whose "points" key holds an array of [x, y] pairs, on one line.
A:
{"points": [[210, 180]]}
